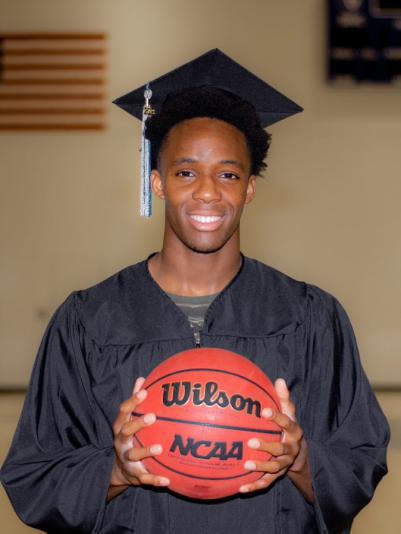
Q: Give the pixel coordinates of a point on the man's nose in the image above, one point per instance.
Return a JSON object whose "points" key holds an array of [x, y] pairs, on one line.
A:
{"points": [[207, 189]]}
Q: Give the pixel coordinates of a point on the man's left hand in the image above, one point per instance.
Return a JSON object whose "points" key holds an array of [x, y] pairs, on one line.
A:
{"points": [[289, 456]]}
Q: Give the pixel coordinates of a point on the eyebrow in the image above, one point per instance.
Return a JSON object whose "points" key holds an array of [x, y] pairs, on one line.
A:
{"points": [[179, 161], [234, 162], [230, 162]]}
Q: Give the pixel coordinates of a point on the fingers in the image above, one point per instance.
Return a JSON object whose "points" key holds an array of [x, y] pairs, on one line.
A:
{"points": [[134, 470], [126, 409], [136, 474], [129, 457], [289, 446], [139, 453], [273, 466], [287, 406], [137, 469], [153, 480], [292, 431], [260, 484], [283, 455], [131, 427], [138, 384], [279, 448], [129, 405]]}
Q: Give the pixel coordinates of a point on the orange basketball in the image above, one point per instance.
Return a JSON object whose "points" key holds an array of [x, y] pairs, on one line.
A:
{"points": [[208, 404]]}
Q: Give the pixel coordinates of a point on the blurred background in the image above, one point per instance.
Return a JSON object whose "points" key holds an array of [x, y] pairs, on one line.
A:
{"points": [[327, 210]]}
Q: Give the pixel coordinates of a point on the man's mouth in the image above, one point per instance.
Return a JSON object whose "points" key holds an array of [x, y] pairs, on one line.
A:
{"points": [[206, 223], [206, 218]]}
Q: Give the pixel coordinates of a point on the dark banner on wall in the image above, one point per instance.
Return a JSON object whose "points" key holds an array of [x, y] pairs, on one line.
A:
{"points": [[365, 40]]}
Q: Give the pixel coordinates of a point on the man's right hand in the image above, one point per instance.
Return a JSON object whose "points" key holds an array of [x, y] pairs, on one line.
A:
{"points": [[128, 469]]}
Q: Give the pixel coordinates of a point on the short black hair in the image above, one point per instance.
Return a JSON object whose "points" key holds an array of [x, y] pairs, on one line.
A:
{"points": [[214, 103]]}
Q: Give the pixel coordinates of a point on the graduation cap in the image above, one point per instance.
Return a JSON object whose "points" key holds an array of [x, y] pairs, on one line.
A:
{"points": [[213, 69]]}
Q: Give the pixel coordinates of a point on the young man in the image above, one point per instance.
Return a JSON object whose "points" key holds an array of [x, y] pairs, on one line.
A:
{"points": [[73, 467]]}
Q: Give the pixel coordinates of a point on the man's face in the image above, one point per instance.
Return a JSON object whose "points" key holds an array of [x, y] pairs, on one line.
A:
{"points": [[203, 177]]}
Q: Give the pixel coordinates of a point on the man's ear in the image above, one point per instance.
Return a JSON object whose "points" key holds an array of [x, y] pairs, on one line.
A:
{"points": [[157, 184], [250, 191]]}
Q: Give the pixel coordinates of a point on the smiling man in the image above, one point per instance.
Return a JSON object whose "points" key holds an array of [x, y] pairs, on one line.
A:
{"points": [[204, 177], [73, 466]]}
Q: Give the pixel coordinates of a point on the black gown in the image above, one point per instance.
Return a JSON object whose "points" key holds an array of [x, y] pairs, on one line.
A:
{"points": [[101, 339]]}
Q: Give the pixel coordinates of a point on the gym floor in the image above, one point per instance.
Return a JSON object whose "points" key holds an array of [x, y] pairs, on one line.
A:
{"points": [[382, 514]]}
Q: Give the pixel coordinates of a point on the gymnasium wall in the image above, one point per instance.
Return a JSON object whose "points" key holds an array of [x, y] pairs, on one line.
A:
{"points": [[327, 211]]}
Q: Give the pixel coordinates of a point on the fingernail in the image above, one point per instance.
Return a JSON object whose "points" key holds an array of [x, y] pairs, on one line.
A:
{"points": [[149, 418], [267, 412], [156, 449], [250, 465], [164, 481], [141, 394], [254, 443], [243, 489], [138, 384]]}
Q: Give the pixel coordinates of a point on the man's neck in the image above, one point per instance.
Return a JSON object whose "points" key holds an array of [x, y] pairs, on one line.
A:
{"points": [[192, 273]]}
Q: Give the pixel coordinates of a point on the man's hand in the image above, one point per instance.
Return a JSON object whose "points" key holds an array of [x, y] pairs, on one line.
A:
{"points": [[290, 456], [128, 469]]}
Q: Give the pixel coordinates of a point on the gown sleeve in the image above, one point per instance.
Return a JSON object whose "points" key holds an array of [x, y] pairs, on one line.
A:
{"points": [[58, 469], [346, 430]]}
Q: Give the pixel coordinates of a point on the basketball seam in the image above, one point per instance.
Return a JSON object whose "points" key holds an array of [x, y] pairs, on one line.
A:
{"points": [[211, 425]]}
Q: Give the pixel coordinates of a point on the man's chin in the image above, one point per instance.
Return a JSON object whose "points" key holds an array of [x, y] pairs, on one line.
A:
{"points": [[205, 248]]}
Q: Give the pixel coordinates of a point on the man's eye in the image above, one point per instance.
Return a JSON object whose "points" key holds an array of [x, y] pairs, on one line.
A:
{"points": [[230, 176], [185, 174]]}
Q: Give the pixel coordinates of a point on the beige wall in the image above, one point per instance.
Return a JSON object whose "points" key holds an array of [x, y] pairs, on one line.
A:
{"points": [[327, 212]]}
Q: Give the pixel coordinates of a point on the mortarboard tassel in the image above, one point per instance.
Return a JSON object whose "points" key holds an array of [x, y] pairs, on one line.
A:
{"points": [[146, 192]]}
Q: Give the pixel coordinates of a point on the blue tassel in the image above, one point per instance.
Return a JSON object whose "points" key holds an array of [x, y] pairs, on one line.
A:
{"points": [[146, 164]]}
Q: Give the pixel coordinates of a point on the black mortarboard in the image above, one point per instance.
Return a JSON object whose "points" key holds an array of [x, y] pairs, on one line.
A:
{"points": [[218, 70], [213, 69]]}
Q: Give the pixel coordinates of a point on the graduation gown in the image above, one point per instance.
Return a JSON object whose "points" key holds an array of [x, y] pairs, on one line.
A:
{"points": [[101, 339]]}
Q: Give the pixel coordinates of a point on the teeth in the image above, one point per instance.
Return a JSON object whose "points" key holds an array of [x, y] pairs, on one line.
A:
{"points": [[205, 219]]}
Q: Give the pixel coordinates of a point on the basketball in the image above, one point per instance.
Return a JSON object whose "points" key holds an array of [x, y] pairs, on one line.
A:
{"points": [[208, 404]]}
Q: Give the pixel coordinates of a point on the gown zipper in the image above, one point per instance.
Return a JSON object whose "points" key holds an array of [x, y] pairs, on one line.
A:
{"points": [[197, 339]]}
